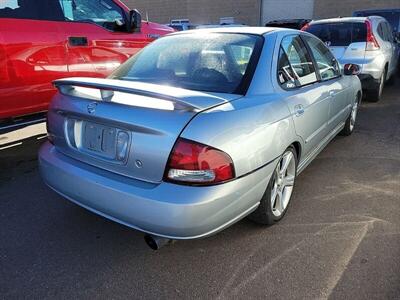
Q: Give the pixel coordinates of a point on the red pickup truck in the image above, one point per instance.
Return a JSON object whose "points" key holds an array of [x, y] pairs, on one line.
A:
{"points": [[44, 40]]}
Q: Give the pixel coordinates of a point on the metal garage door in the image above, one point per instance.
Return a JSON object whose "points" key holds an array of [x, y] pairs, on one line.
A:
{"points": [[286, 9]]}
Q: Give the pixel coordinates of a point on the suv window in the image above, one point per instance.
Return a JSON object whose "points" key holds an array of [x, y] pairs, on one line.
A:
{"points": [[49, 10], [104, 13], [327, 65], [382, 32], [339, 33], [389, 30], [295, 67]]}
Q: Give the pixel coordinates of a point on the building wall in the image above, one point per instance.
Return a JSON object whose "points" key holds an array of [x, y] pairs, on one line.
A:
{"points": [[251, 12], [334, 8], [286, 9], [199, 12]]}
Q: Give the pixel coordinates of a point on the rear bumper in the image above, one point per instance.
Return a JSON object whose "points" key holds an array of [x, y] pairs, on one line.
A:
{"points": [[164, 209], [371, 67]]}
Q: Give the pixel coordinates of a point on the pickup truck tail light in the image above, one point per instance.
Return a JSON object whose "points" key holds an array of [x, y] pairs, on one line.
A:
{"points": [[372, 43], [305, 27], [197, 164]]}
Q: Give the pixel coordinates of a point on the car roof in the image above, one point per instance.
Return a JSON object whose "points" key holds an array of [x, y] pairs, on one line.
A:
{"points": [[394, 10], [238, 29], [346, 19]]}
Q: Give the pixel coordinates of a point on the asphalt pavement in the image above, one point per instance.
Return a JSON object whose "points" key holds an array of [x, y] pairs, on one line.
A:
{"points": [[339, 240]]}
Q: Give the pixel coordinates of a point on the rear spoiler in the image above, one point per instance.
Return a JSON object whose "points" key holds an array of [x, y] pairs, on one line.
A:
{"points": [[107, 88]]}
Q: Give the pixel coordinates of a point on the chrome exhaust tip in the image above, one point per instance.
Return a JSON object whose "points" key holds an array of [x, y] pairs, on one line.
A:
{"points": [[156, 242]]}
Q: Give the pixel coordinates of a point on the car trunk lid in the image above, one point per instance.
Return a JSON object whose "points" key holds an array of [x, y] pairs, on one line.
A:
{"points": [[128, 128]]}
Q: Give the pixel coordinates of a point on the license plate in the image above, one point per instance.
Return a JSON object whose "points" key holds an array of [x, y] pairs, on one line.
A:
{"points": [[100, 139]]}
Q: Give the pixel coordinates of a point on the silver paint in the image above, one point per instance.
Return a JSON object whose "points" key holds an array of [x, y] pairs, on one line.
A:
{"points": [[254, 129]]}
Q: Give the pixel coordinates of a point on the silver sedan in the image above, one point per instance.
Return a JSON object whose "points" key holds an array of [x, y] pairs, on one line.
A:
{"points": [[199, 130]]}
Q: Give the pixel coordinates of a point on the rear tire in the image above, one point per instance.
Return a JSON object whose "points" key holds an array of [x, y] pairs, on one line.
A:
{"points": [[277, 196], [351, 120], [375, 95], [391, 80]]}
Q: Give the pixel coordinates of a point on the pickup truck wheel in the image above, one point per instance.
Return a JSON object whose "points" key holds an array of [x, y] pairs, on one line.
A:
{"points": [[276, 199], [351, 120]]}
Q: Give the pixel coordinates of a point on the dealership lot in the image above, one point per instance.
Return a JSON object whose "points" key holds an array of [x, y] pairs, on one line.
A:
{"points": [[340, 238]]}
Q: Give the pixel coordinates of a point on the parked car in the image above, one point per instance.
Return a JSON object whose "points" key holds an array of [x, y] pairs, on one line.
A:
{"points": [[181, 144], [289, 23], [391, 15], [44, 40], [181, 24], [209, 26], [367, 41]]}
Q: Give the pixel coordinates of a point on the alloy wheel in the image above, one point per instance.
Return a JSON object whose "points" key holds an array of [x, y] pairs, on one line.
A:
{"points": [[382, 83], [282, 187], [353, 115]]}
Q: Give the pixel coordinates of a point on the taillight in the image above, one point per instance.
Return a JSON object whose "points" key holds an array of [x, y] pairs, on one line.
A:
{"points": [[372, 43], [195, 163], [305, 27]]}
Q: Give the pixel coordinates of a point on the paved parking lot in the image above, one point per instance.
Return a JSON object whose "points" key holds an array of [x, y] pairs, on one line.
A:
{"points": [[339, 240]]}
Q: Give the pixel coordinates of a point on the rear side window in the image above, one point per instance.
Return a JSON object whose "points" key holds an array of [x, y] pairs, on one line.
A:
{"points": [[389, 30], [339, 33], [326, 63], [295, 67]]}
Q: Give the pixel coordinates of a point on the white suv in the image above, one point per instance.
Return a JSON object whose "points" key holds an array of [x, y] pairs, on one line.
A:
{"points": [[366, 41]]}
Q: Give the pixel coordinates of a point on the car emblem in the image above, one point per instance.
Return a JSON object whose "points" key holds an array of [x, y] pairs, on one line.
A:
{"points": [[91, 108], [328, 43]]}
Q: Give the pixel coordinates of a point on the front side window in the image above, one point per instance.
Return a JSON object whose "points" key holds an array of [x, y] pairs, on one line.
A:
{"points": [[301, 71], [104, 13], [213, 62], [326, 63]]}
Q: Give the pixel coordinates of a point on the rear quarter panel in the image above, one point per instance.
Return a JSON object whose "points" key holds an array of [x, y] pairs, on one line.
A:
{"points": [[253, 131]]}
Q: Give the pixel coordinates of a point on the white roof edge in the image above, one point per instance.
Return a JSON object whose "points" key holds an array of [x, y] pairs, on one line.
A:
{"points": [[239, 29], [344, 19]]}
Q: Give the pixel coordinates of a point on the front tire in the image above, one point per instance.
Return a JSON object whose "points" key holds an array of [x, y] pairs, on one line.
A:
{"points": [[277, 196]]}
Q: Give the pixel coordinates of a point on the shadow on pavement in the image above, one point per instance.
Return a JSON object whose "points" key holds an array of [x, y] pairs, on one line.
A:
{"points": [[19, 157]]}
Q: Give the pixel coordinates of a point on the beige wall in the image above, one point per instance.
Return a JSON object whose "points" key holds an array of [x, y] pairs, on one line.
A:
{"points": [[244, 11], [334, 8], [200, 12]]}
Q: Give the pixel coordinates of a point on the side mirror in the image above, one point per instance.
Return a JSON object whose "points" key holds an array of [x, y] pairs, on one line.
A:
{"points": [[351, 69], [135, 21]]}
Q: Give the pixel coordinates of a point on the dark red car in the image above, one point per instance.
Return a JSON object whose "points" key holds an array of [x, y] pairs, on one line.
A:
{"points": [[44, 40]]}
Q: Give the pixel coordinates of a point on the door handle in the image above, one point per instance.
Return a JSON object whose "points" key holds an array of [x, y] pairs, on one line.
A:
{"points": [[332, 93], [299, 110], [75, 41]]}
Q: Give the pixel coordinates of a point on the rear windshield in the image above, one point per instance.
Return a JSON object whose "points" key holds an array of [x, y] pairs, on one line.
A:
{"points": [[339, 34], [213, 62]]}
